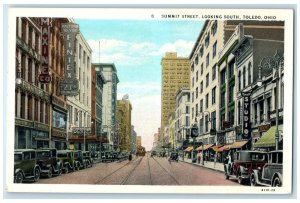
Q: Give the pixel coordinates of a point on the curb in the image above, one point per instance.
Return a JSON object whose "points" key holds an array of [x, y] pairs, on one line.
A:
{"points": [[199, 165]]}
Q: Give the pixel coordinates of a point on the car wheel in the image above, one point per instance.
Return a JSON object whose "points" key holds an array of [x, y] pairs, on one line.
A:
{"points": [[19, 177], [50, 172], [36, 174], [253, 180], [240, 179], [66, 169], [59, 171], [276, 182]]}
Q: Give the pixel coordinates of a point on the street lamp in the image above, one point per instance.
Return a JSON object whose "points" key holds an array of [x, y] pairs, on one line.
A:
{"points": [[202, 139]]}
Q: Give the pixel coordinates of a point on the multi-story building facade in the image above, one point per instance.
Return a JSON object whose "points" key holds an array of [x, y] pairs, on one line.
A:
{"points": [[139, 140], [239, 75], [133, 140], [182, 117], [204, 79], [212, 93], [124, 109], [109, 102], [79, 107], [172, 141], [32, 99], [175, 75], [98, 82]]}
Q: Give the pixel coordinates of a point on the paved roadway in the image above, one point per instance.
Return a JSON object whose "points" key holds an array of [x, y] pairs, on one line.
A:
{"points": [[143, 171]]}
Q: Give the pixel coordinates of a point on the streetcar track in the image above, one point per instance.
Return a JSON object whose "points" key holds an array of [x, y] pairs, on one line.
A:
{"points": [[131, 172], [110, 174], [150, 179], [168, 172]]}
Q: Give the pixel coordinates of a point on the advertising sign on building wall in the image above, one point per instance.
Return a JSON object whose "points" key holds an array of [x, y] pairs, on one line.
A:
{"points": [[246, 117], [70, 86], [45, 76]]}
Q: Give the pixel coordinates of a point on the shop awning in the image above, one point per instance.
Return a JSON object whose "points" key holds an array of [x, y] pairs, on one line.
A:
{"points": [[238, 144], [268, 139], [216, 148], [225, 147], [188, 149], [205, 147]]}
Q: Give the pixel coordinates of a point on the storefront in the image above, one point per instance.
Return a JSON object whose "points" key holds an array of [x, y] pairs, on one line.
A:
{"points": [[267, 142], [30, 134]]}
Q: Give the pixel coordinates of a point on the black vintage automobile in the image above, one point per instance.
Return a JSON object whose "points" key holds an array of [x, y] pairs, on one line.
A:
{"points": [[87, 158], [49, 162], [67, 157], [174, 157], [271, 173], [25, 166], [243, 164]]}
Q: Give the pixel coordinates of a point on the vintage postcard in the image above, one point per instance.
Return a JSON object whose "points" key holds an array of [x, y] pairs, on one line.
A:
{"points": [[136, 100]]}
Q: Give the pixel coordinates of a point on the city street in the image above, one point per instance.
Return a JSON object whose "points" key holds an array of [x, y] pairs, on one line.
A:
{"points": [[143, 170]]}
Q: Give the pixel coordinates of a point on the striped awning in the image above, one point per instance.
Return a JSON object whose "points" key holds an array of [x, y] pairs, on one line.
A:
{"points": [[205, 147], [238, 144], [268, 139], [188, 149], [225, 147]]}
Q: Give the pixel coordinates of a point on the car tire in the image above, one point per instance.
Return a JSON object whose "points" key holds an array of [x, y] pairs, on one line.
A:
{"points": [[59, 171], [276, 182], [19, 177], [50, 172], [36, 174], [253, 182], [66, 169], [240, 179]]}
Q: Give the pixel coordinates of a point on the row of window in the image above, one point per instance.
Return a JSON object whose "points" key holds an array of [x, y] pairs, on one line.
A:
{"points": [[214, 69]]}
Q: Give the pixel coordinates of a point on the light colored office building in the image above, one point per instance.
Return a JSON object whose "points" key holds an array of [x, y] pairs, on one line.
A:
{"points": [[124, 109], [79, 107], [175, 75]]}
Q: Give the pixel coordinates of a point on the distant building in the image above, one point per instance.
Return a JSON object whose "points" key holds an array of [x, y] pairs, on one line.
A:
{"points": [[133, 140], [109, 102], [175, 75], [124, 109], [139, 140]]}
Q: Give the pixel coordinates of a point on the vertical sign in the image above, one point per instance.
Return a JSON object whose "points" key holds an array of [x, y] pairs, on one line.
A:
{"points": [[45, 76], [69, 86], [246, 117]]}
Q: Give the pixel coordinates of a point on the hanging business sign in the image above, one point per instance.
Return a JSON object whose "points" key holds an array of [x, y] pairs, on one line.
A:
{"points": [[45, 76], [246, 116], [70, 86]]}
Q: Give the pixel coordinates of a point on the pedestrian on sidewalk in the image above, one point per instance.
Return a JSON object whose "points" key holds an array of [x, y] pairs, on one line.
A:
{"points": [[199, 157]]}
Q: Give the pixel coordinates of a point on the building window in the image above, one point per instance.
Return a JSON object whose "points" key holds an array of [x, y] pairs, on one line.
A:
{"points": [[231, 69], [269, 107], [214, 28], [213, 120], [223, 99], [197, 76], [261, 111], [201, 51], [193, 97], [231, 93], [192, 67], [197, 93], [201, 105], [196, 60], [193, 82], [206, 123], [187, 109], [231, 117], [215, 49], [197, 112], [201, 71], [206, 102], [207, 60], [223, 76], [255, 114], [207, 79], [207, 40], [201, 126], [239, 113], [239, 80], [213, 95], [214, 72], [249, 73], [244, 77], [193, 112], [201, 87]]}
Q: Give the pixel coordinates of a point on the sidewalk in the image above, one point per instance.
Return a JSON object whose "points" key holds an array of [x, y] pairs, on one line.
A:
{"points": [[207, 164]]}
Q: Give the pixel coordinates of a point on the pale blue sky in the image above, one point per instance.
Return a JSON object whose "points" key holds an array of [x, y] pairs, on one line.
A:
{"points": [[136, 48]]}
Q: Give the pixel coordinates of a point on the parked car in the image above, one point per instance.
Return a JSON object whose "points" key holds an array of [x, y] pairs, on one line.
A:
{"points": [[87, 158], [243, 164], [25, 166], [67, 157], [271, 173], [153, 153], [48, 162], [79, 161], [173, 157]]}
